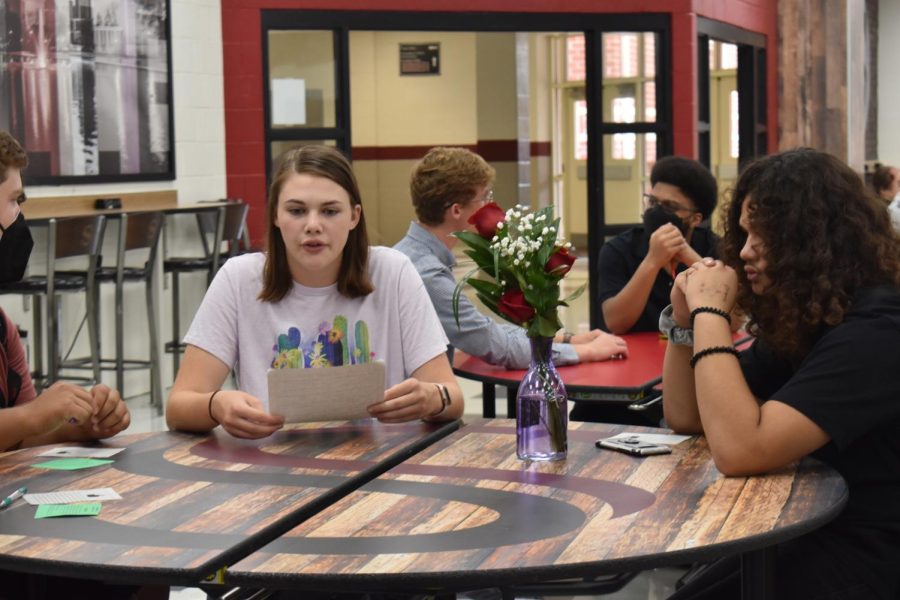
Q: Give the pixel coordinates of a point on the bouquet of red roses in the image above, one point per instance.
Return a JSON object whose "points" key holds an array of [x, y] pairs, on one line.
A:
{"points": [[524, 261]]}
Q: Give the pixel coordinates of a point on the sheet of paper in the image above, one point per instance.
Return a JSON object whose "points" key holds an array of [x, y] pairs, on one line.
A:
{"points": [[288, 101], [653, 438], [70, 496], [46, 511], [325, 394], [71, 464], [80, 452]]}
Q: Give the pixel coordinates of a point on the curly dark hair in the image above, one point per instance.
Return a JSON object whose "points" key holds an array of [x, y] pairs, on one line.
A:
{"points": [[11, 154], [825, 236], [882, 178], [692, 178]]}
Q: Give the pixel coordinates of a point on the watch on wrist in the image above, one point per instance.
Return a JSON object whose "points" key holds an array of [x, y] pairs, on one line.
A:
{"points": [[680, 336], [445, 399]]}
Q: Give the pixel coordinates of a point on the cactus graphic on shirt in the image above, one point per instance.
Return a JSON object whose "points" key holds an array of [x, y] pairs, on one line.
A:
{"points": [[288, 354], [362, 342], [340, 326], [330, 347]]}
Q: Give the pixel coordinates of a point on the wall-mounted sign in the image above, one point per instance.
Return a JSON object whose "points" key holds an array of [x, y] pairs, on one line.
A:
{"points": [[420, 59]]}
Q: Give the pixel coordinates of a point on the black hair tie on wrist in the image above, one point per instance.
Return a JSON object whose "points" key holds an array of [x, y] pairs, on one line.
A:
{"points": [[709, 309], [713, 350], [214, 420]]}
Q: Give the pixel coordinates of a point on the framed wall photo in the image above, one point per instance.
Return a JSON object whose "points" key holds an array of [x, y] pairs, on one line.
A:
{"points": [[86, 87]]}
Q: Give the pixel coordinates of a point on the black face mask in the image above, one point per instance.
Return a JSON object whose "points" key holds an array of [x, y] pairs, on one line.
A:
{"points": [[657, 216], [15, 250]]}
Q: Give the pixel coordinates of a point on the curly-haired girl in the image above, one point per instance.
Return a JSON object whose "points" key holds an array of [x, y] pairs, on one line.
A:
{"points": [[810, 256]]}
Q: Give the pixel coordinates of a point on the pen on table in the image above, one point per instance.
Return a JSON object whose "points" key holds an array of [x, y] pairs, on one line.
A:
{"points": [[13, 497]]}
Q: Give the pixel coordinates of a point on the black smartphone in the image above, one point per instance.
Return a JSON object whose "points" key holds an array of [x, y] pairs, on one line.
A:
{"points": [[633, 446]]}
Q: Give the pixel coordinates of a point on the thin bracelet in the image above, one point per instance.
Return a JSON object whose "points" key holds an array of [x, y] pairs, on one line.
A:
{"points": [[713, 350], [214, 420], [567, 337], [709, 309]]}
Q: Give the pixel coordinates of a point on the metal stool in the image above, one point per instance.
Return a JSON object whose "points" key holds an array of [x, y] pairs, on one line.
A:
{"points": [[216, 225], [137, 231], [66, 238]]}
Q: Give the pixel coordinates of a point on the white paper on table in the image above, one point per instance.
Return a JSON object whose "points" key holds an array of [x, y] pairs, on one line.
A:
{"points": [[72, 496], [652, 438], [327, 393], [81, 452]]}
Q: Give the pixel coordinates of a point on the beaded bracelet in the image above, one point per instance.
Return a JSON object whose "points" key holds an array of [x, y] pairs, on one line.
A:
{"points": [[709, 309], [713, 350], [214, 420]]}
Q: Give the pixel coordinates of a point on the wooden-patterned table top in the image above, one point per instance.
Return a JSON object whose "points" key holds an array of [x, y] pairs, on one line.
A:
{"points": [[194, 503], [466, 513]]}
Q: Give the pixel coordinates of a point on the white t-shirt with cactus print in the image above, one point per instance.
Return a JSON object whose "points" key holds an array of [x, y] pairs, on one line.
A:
{"points": [[318, 327]]}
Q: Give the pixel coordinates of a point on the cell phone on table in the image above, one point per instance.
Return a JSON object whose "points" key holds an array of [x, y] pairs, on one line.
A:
{"points": [[633, 446]]}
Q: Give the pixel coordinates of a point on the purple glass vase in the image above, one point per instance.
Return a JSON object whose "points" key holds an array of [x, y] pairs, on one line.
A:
{"points": [[542, 415]]}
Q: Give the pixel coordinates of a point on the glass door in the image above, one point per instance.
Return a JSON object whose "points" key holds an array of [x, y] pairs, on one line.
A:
{"points": [[306, 90]]}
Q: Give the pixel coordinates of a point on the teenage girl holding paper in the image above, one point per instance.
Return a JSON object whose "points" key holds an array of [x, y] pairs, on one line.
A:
{"points": [[318, 297]]}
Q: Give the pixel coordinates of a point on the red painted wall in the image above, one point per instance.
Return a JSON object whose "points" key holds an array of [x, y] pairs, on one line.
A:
{"points": [[242, 59]]}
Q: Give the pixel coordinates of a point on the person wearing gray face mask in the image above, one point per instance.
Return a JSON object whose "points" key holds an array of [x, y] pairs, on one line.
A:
{"points": [[637, 268]]}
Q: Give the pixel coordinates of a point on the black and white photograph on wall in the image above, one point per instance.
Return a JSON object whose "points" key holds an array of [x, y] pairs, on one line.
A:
{"points": [[86, 86]]}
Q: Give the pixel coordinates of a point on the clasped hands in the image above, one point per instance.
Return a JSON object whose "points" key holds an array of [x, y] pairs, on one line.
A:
{"points": [[98, 412], [668, 245], [707, 282]]}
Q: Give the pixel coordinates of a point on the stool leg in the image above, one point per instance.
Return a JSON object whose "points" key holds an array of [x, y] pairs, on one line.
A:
{"points": [[176, 325], [120, 338], [52, 338], [93, 331], [155, 382], [38, 341]]}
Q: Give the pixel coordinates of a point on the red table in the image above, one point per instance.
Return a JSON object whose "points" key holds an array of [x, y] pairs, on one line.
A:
{"points": [[630, 380]]}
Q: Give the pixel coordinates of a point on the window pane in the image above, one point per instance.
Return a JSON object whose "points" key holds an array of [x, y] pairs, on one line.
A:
{"points": [[650, 101], [649, 54], [631, 56], [620, 55], [580, 135], [301, 78], [733, 117], [729, 56], [575, 58], [626, 178]]}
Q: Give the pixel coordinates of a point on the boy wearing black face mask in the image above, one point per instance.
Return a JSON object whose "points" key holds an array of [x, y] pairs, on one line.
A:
{"points": [[638, 267], [64, 412]]}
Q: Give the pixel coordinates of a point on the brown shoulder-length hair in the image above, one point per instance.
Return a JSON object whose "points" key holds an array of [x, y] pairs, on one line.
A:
{"points": [[825, 236], [320, 161]]}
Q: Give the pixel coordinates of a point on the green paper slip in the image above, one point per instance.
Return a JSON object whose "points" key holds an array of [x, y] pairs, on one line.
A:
{"points": [[72, 464], [46, 511]]}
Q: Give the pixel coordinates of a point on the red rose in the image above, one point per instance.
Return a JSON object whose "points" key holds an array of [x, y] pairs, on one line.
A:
{"points": [[560, 259], [513, 305], [485, 219]]}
